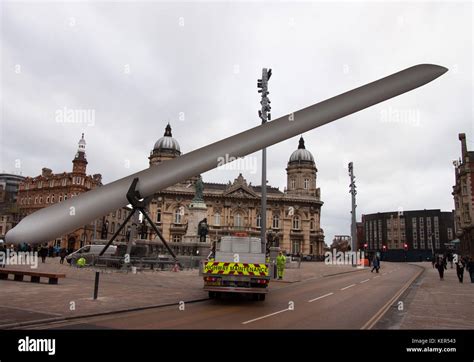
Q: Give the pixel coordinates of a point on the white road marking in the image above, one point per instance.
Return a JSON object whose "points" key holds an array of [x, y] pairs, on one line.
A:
{"points": [[349, 286], [321, 297], [265, 316], [384, 273], [364, 281], [378, 276]]}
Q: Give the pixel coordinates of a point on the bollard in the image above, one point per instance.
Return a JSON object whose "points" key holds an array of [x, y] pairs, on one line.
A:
{"points": [[96, 285]]}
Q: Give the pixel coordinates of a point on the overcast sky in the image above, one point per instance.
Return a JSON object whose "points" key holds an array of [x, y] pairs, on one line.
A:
{"points": [[136, 66]]}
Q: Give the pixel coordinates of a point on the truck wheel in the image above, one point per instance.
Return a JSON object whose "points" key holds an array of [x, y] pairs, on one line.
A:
{"points": [[261, 297]]}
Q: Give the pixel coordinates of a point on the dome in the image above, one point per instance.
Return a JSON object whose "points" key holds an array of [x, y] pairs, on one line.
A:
{"points": [[301, 154], [167, 142]]}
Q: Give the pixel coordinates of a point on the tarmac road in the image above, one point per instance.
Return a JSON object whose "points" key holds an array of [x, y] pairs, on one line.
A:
{"points": [[354, 300]]}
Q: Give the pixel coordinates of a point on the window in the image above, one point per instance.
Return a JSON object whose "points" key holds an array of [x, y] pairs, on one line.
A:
{"points": [[65, 197], [217, 219], [292, 184], [158, 216], [296, 222], [40, 201], [176, 238], [306, 183], [114, 214], [450, 234], [53, 199], [64, 182], [259, 220], [47, 199], [237, 220], [112, 228], [311, 224], [389, 224], [436, 222], [276, 222], [389, 235], [40, 184], [295, 246], [51, 183], [119, 213], [36, 200], [464, 190], [177, 216]]}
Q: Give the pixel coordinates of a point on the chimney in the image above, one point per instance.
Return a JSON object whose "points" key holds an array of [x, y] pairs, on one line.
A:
{"points": [[462, 138]]}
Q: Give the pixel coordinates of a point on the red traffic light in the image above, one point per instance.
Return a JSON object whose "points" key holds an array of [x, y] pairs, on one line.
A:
{"points": [[384, 247], [405, 246], [365, 245]]}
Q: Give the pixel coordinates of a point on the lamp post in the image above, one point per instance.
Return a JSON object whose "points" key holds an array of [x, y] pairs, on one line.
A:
{"points": [[264, 114], [353, 192]]}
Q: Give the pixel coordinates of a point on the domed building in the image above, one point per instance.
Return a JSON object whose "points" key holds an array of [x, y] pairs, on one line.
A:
{"points": [[293, 215], [166, 148]]}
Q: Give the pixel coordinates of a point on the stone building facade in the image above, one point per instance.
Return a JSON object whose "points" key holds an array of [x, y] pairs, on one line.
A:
{"points": [[49, 188], [293, 215], [463, 194]]}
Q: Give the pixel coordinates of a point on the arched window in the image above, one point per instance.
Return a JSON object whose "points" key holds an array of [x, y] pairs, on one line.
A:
{"points": [[41, 200], [178, 216], [119, 213], [237, 220], [60, 198], [311, 224], [306, 183], [53, 199], [158, 216], [276, 221], [65, 197], [259, 220], [296, 222], [217, 219], [292, 184], [47, 199], [112, 227], [36, 200]]}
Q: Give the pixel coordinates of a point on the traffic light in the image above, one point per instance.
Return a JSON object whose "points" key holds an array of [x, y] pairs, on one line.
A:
{"points": [[365, 246], [384, 247], [405, 246]]}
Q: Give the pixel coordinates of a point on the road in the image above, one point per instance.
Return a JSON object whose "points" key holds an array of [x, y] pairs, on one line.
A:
{"points": [[353, 300]]}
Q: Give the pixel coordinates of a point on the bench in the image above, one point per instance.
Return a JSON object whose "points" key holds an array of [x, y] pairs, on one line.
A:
{"points": [[18, 275]]}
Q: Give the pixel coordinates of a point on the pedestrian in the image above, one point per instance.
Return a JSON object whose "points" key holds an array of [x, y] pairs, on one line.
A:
{"points": [[441, 266], [62, 255], [43, 253], [281, 261], [433, 262], [470, 268], [375, 264], [460, 269], [3, 254]]}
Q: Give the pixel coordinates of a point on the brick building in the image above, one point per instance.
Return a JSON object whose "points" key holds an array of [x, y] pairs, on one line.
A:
{"points": [[408, 235], [49, 188]]}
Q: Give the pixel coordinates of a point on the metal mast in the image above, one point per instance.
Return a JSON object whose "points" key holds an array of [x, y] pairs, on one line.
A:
{"points": [[264, 114], [353, 192]]}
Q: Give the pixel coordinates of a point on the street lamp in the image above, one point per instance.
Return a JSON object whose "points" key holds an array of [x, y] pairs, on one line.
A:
{"points": [[264, 114]]}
